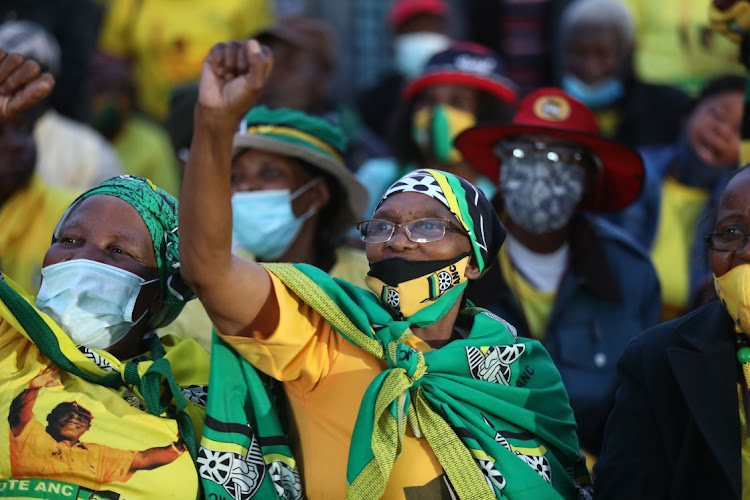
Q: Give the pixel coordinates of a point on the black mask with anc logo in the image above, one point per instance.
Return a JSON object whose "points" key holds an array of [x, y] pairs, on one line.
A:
{"points": [[420, 292]]}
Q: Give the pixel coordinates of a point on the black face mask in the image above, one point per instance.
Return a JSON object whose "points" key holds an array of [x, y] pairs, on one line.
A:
{"points": [[397, 270], [690, 170]]}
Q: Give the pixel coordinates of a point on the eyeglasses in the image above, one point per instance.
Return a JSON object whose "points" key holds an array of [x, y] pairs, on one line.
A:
{"points": [[552, 152], [727, 241], [418, 231]]}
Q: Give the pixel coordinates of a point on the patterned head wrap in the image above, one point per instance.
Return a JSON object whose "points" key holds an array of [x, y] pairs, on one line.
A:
{"points": [[158, 209], [472, 209]]}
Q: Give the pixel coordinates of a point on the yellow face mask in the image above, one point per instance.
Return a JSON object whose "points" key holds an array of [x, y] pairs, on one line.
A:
{"points": [[433, 129], [733, 288], [420, 292]]}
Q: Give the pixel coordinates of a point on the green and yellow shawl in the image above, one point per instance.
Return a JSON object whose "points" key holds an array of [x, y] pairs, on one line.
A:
{"points": [[492, 406]]}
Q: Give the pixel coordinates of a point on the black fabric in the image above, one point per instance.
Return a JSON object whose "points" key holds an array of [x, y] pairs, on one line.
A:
{"points": [[397, 270], [651, 114], [675, 429]]}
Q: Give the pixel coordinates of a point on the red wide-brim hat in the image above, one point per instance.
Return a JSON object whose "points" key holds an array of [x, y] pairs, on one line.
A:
{"points": [[552, 112]]}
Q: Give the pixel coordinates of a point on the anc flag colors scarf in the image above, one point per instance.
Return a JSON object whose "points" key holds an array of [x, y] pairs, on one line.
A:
{"points": [[244, 452], [151, 376], [492, 406]]}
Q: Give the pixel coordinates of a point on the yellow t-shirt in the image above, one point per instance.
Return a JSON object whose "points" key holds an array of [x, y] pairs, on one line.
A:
{"points": [[144, 150], [678, 215], [325, 377], [27, 221], [168, 39], [676, 45], [194, 323], [32, 462], [536, 305]]}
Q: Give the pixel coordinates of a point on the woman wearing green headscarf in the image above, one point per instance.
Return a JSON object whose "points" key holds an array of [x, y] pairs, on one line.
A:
{"points": [[93, 403], [401, 391]]}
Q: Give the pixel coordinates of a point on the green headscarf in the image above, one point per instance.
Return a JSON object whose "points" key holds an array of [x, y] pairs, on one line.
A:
{"points": [[158, 209]]}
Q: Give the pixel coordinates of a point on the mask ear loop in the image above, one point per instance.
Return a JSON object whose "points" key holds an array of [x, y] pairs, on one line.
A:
{"points": [[303, 189]]}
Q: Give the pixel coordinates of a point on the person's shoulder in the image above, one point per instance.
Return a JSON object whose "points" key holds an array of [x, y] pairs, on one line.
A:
{"points": [[49, 199], [662, 95], [615, 238], [702, 325]]}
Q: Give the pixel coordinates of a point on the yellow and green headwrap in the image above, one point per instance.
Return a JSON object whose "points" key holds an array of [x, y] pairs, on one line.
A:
{"points": [[158, 209], [467, 202]]}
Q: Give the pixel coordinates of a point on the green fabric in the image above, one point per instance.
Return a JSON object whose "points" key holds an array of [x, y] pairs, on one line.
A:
{"points": [[492, 406], [157, 385], [158, 209], [330, 135], [244, 447]]}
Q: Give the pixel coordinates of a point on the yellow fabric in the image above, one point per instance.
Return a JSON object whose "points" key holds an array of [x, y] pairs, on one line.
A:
{"points": [[536, 305], [119, 428], [733, 289], [194, 323], [145, 150], [745, 446], [680, 207], [168, 39], [93, 464], [317, 366], [608, 120], [676, 45], [27, 221]]}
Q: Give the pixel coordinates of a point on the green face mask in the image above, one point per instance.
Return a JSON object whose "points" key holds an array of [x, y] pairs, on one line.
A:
{"points": [[433, 129]]}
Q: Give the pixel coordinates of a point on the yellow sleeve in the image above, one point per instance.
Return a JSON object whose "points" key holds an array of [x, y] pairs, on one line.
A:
{"points": [[115, 34], [300, 347], [633, 7]]}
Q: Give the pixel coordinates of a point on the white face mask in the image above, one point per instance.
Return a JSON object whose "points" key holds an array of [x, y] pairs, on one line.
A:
{"points": [[263, 222], [412, 51], [92, 302]]}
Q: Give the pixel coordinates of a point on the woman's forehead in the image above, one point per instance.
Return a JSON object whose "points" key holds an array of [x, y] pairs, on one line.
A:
{"points": [[412, 205], [109, 213]]}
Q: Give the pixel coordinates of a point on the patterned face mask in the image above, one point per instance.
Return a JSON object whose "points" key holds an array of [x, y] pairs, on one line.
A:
{"points": [[420, 292], [540, 194]]}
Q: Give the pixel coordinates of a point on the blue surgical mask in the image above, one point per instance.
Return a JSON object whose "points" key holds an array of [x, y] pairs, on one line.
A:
{"points": [[92, 302], [263, 222], [412, 50], [597, 96]]}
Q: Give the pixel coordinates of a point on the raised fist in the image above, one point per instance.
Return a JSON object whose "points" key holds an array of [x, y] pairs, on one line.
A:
{"points": [[233, 77], [22, 84]]}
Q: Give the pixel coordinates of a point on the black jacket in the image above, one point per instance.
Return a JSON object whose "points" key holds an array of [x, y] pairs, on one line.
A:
{"points": [[675, 429]]}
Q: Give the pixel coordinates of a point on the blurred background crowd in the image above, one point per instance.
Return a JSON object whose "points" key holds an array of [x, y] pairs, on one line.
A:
{"points": [[641, 104]]}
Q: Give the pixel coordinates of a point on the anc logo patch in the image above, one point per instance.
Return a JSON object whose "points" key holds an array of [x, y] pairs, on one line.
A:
{"points": [[552, 108]]}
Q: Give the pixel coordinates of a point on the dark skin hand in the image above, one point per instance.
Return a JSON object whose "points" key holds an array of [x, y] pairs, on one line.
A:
{"points": [[22, 84]]}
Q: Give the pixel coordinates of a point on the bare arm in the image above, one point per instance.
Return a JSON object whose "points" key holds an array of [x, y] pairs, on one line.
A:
{"points": [[21, 409], [156, 457], [231, 289], [22, 84]]}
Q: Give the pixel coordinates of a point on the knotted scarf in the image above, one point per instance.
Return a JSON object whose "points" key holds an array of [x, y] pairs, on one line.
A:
{"points": [[492, 406]]}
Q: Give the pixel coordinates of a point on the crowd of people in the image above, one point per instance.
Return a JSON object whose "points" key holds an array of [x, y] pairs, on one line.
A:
{"points": [[513, 266]]}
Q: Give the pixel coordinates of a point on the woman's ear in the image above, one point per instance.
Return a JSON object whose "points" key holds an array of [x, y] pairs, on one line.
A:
{"points": [[472, 269]]}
